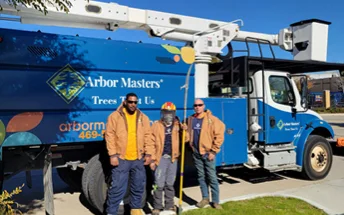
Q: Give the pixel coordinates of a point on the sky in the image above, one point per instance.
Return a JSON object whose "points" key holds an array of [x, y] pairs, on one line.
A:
{"points": [[263, 16]]}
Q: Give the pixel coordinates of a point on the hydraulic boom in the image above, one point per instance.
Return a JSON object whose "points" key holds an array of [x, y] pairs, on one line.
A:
{"points": [[306, 40]]}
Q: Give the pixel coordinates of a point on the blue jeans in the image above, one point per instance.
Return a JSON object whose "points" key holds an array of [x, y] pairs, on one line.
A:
{"points": [[120, 176], [206, 170]]}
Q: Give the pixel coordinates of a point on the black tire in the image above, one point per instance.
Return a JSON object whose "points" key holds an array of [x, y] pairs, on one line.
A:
{"points": [[71, 177], [318, 149], [86, 178], [98, 186]]}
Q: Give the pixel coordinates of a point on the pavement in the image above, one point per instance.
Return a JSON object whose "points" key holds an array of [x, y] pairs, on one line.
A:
{"points": [[337, 122], [326, 194]]}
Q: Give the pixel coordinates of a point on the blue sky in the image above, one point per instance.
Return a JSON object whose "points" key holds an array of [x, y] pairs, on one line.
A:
{"points": [[264, 16]]}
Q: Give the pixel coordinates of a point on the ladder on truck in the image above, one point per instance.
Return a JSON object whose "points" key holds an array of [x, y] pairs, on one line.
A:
{"points": [[259, 113]]}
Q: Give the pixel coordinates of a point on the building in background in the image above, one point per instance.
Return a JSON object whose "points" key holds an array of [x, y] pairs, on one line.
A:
{"points": [[326, 81]]}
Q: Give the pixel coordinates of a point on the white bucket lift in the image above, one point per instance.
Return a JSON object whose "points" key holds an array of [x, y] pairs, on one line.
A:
{"points": [[306, 39]]}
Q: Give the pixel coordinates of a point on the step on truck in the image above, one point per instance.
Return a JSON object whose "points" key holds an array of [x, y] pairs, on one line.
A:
{"points": [[58, 90]]}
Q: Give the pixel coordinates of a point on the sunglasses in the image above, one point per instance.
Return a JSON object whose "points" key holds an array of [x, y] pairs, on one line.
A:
{"points": [[198, 105], [131, 102]]}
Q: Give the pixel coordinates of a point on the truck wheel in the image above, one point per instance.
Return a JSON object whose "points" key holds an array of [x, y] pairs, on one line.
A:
{"points": [[317, 158], [71, 177], [86, 178], [98, 186]]}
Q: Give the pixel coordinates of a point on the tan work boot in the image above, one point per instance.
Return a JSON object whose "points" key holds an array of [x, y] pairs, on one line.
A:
{"points": [[156, 212], [217, 206], [174, 208], [136, 212], [202, 203]]}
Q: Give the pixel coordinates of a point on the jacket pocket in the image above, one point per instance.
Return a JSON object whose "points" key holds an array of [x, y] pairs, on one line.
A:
{"points": [[119, 143], [207, 142]]}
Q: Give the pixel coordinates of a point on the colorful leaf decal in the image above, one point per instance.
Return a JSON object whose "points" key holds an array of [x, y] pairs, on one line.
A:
{"points": [[188, 55], [22, 139], [24, 121], [2, 132], [171, 49]]}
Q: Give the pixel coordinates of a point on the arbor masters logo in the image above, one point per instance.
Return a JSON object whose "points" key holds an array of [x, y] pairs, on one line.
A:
{"points": [[67, 83]]}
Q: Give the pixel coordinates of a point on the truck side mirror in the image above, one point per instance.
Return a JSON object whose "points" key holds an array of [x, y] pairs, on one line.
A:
{"points": [[304, 92], [304, 103]]}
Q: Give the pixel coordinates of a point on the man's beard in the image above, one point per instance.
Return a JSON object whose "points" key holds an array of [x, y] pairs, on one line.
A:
{"points": [[130, 111]]}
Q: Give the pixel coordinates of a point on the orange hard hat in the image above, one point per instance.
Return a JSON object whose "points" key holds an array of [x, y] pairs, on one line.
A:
{"points": [[168, 106]]}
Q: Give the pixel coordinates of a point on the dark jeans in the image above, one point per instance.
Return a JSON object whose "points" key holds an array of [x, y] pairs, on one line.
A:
{"points": [[120, 176], [164, 178], [206, 170]]}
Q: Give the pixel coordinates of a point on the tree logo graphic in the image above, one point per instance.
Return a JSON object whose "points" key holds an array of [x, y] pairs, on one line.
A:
{"points": [[67, 83], [280, 124]]}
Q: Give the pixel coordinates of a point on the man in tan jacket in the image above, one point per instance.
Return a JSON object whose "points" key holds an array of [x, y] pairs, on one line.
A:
{"points": [[166, 134], [130, 147], [206, 137]]}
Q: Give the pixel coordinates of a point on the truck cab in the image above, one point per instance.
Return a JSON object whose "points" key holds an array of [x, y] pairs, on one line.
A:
{"points": [[283, 133]]}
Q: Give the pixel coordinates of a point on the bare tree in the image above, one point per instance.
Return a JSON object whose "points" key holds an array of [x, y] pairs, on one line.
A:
{"points": [[40, 5]]}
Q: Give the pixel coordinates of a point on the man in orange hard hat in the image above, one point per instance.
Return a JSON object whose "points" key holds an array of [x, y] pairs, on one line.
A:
{"points": [[166, 134]]}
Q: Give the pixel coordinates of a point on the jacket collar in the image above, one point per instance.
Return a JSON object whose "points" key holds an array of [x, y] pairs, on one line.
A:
{"points": [[206, 113]]}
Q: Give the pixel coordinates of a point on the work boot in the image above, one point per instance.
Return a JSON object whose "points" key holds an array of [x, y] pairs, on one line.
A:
{"points": [[136, 212], [156, 212], [202, 203], [217, 206], [174, 208]]}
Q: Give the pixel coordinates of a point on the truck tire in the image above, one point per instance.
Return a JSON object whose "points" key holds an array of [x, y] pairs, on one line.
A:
{"points": [[97, 186], [317, 158], [71, 177], [86, 178]]}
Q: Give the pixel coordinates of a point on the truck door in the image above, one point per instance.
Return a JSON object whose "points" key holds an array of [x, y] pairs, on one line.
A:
{"points": [[282, 102]]}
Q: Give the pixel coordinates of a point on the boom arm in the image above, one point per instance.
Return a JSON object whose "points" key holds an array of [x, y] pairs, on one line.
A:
{"points": [[208, 37], [111, 16]]}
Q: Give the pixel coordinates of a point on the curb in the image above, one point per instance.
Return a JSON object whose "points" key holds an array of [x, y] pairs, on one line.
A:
{"points": [[331, 114], [253, 196]]}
